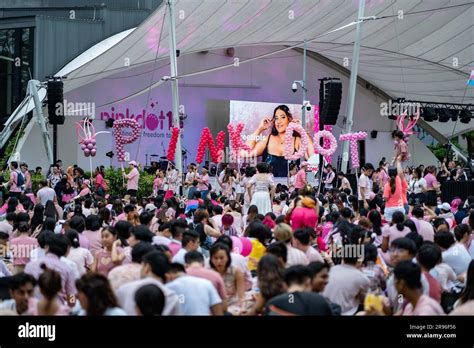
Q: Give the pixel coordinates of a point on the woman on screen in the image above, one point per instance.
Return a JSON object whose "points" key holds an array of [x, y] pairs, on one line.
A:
{"points": [[272, 148]]}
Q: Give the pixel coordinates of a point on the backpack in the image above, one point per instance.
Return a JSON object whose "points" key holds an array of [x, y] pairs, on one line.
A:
{"points": [[20, 179]]}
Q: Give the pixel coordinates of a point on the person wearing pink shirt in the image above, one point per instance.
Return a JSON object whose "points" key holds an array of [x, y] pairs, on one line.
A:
{"points": [[432, 185], [195, 267], [305, 213], [300, 179], [158, 182], [401, 148], [425, 229], [409, 287], [177, 231], [393, 192], [301, 241], [203, 183], [132, 179], [93, 233], [100, 183], [49, 283], [22, 246], [396, 230], [14, 206], [56, 246], [15, 188]]}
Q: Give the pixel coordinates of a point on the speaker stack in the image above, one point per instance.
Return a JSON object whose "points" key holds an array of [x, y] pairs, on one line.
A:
{"points": [[330, 94], [55, 99]]}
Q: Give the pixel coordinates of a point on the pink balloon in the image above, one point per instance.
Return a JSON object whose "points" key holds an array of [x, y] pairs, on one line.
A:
{"points": [[93, 152], [93, 141], [83, 147], [236, 244], [246, 246], [90, 146]]}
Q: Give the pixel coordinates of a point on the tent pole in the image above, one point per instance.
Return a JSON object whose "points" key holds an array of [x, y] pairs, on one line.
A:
{"points": [[174, 83], [352, 85], [303, 111]]}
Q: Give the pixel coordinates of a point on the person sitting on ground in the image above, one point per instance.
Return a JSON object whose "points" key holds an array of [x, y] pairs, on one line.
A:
{"points": [[407, 282], [299, 299]]}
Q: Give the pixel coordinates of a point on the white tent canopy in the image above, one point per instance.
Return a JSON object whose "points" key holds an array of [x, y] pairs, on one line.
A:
{"points": [[419, 50]]}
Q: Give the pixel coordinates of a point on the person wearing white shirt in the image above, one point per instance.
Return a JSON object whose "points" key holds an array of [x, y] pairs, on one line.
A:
{"points": [[217, 218], [330, 176], [45, 193], [4, 271], [71, 265], [199, 296], [364, 187], [454, 253], [155, 268], [191, 175]]}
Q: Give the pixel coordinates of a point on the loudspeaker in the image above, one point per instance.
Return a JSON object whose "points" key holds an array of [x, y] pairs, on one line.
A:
{"points": [[55, 102], [329, 111], [373, 134]]}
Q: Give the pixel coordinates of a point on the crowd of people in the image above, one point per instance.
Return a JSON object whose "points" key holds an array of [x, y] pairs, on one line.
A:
{"points": [[247, 246]]}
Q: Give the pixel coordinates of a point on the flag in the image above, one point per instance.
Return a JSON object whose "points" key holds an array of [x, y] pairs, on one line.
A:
{"points": [[470, 82]]}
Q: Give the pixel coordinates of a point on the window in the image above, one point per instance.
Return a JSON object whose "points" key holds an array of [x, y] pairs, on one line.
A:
{"points": [[16, 57]]}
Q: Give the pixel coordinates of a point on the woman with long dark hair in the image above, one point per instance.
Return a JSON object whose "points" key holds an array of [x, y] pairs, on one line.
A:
{"points": [[251, 215], [227, 183], [416, 189], [38, 217], [271, 281], [233, 277], [393, 192], [50, 285], [96, 296], [49, 224], [51, 211], [82, 257], [105, 216], [396, 230], [99, 182], [376, 219], [272, 147]]}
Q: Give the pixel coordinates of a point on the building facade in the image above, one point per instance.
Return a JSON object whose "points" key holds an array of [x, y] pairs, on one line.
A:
{"points": [[38, 37]]}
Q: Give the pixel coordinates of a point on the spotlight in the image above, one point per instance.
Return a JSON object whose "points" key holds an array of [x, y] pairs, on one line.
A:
{"points": [[444, 115], [465, 116], [429, 114], [454, 115], [109, 123], [110, 154]]}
